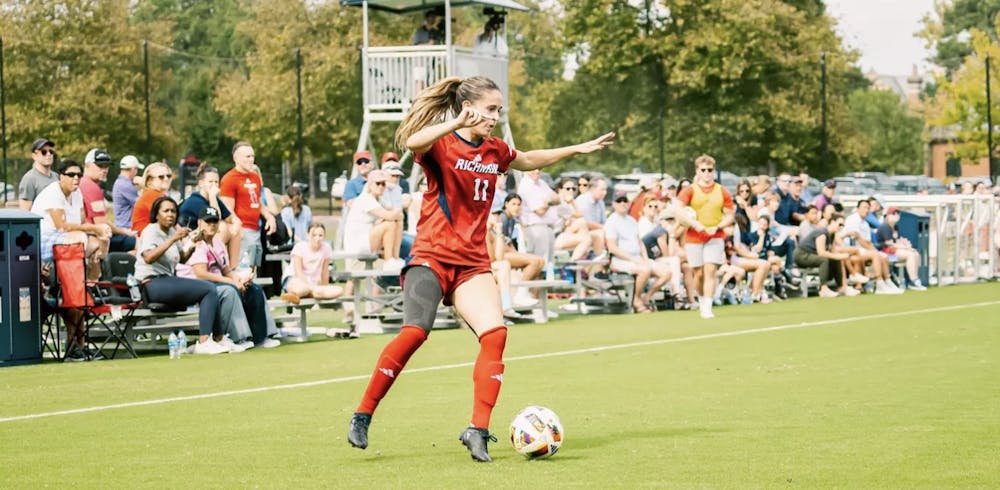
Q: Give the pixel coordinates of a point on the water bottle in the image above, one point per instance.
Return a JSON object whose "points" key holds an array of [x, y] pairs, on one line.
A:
{"points": [[550, 273], [747, 297], [133, 288], [246, 268], [172, 344], [182, 343]]}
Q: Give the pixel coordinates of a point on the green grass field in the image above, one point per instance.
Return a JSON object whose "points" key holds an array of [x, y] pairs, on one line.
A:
{"points": [[890, 391]]}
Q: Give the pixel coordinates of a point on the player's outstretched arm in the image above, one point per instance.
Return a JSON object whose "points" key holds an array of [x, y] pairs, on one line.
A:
{"points": [[530, 160], [421, 141]]}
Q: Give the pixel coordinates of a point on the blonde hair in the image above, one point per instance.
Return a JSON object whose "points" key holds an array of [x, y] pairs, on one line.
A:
{"points": [[148, 173], [704, 160], [439, 101]]}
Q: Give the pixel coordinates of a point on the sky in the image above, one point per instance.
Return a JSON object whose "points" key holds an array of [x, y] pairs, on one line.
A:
{"points": [[882, 30]]}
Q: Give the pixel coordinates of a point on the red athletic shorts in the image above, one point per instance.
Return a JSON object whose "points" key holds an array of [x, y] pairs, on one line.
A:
{"points": [[450, 276]]}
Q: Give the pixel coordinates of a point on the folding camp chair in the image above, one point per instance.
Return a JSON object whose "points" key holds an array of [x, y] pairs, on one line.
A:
{"points": [[103, 303]]}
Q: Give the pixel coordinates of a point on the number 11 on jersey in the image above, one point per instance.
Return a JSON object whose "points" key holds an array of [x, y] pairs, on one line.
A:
{"points": [[485, 184]]}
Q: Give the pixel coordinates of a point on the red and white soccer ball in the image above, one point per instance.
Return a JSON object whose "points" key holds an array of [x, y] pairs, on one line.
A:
{"points": [[536, 432]]}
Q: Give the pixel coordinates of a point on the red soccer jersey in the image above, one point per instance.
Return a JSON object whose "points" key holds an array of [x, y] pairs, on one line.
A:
{"points": [[461, 182]]}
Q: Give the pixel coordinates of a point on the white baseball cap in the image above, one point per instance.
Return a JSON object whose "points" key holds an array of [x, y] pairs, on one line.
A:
{"points": [[129, 162]]}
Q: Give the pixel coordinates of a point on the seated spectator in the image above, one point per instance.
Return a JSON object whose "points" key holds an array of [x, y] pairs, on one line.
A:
{"points": [[647, 186], [857, 234], [827, 195], [155, 184], [815, 250], [370, 228], [573, 231], [811, 221], [629, 256], [897, 248], [530, 265], [759, 241], [297, 215], [309, 274], [745, 255], [496, 247], [207, 195], [742, 199], [61, 207], [95, 211], [590, 204], [126, 190], [660, 245], [243, 315], [397, 197], [159, 252], [43, 155]]}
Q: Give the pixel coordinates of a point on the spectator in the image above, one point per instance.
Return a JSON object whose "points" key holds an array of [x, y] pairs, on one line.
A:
{"points": [[827, 195], [856, 229], [297, 215], [155, 184], [240, 190], [590, 202], [497, 247], [95, 210], [653, 231], [646, 189], [430, 33], [60, 205], [353, 188], [538, 216], [159, 252], [43, 154], [811, 221], [239, 298], [125, 191], [491, 40], [890, 243], [746, 256], [207, 195], [396, 198], [797, 205], [574, 234], [629, 256], [742, 199], [816, 250], [807, 195], [760, 242], [761, 185], [309, 274], [713, 210], [369, 227], [874, 216], [583, 184], [530, 265]]}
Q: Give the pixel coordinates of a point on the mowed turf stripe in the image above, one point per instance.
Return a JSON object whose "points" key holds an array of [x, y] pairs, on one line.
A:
{"points": [[588, 350]]}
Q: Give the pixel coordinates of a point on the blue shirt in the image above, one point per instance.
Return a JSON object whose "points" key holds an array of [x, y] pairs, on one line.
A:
{"points": [[353, 188], [123, 196], [298, 227], [874, 224], [191, 208]]}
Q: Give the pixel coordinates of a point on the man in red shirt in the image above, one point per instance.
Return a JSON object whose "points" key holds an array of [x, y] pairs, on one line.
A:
{"points": [[95, 210], [240, 190], [709, 210]]}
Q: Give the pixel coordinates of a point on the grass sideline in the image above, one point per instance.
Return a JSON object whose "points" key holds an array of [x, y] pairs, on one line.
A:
{"points": [[893, 401]]}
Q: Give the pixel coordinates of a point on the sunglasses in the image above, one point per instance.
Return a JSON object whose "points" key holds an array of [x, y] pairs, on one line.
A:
{"points": [[73, 175], [569, 188], [706, 170], [744, 191], [46, 152], [362, 161], [164, 176], [380, 183]]}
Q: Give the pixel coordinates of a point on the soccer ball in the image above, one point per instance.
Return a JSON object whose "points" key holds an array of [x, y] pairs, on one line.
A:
{"points": [[536, 432]]}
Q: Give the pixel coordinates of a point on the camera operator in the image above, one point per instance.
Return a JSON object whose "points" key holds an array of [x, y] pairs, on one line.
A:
{"points": [[491, 40]]}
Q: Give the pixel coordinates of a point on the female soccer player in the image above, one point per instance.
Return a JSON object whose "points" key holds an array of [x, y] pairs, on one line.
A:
{"points": [[449, 258]]}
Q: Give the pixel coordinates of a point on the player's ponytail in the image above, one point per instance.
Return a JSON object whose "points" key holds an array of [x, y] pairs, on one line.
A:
{"points": [[439, 101]]}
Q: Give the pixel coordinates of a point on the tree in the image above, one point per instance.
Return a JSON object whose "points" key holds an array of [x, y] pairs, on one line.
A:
{"points": [[892, 135], [948, 29]]}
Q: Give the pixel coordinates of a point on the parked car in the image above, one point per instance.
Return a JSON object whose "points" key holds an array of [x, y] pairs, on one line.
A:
{"points": [[912, 184], [855, 186], [883, 183], [629, 183], [957, 183]]}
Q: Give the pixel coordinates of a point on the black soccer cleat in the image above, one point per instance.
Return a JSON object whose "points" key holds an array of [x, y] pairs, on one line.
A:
{"points": [[475, 439], [358, 434]]}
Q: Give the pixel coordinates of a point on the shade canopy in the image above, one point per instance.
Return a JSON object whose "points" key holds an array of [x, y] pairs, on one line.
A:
{"points": [[406, 6]]}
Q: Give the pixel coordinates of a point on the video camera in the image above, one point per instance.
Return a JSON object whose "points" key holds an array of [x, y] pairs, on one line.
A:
{"points": [[496, 17]]}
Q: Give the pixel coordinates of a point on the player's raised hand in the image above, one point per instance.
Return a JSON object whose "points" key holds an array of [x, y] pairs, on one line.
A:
{"points": [[469, 117], [598, 143]]}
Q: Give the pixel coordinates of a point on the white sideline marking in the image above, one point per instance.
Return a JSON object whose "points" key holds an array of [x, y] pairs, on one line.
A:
{"points": [[442, 367]]}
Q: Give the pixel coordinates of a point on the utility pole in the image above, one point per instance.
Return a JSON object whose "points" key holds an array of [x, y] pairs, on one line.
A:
{"points": [[3, 121], [823, 140], [145, 72], [298, 91], [989, 122]]}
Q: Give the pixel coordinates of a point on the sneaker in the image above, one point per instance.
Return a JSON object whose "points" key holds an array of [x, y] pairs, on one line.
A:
{"points": [[74, 354], [393, 265], [882, 288], [917, 286], [233, 347], [858, 278], [706, 310], [210, 347], [851, 292], [525, 302], [511, 314], [246, 344], [93, 355], [551, 314], [476, 439], [357, 435], [290, 298], [828, 293], [269, 343]]}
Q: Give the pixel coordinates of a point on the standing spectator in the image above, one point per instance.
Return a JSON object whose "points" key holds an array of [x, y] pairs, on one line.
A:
{"points": [[430, 32], [538, 215], [155, 184], [713, 211], [629, 256], [816, 250], [890, 243], [159, 252], [491, 40], [827, 195], [353, 188], [240, 191], [60, 205], [43, 153], [297, 215], [125, 192], [207, 195], [95, 210]]}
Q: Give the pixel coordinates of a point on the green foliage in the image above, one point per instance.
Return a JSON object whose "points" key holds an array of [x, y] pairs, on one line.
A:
{"points": [[892, 135], [948, 30]]}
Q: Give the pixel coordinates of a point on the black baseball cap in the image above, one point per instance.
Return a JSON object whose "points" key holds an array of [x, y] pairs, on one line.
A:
{"points": [[209, 214], [41, 142]]}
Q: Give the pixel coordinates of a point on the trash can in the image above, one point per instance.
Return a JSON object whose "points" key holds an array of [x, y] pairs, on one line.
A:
{"points": [[20, 325], [915, 226]]}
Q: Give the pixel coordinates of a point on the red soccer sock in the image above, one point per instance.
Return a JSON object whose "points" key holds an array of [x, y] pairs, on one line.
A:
{"points": [[390, 363], [487, 375]]}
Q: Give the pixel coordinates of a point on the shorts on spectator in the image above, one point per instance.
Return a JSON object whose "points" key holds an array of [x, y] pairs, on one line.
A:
{"points": [[49, 240], [250, 243], [711, 252], [627, 266]]}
